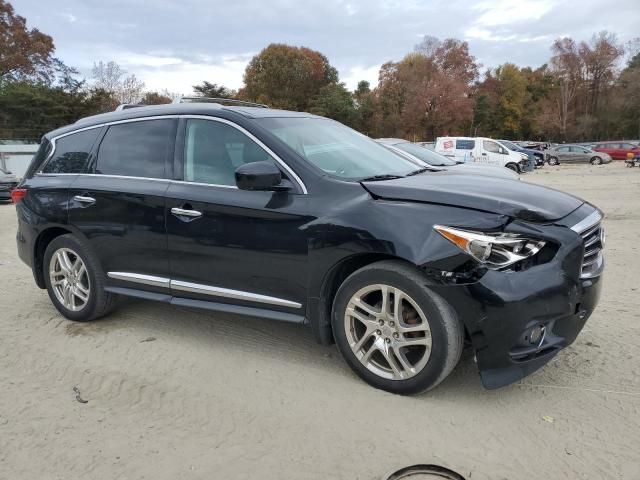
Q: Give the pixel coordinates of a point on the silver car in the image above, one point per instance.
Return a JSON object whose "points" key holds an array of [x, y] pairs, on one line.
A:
{"points": [[575, 154], [434, 161], [8, 182]]}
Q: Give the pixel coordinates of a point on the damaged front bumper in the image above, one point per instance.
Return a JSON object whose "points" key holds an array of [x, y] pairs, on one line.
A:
{"points": [[519, 320]]}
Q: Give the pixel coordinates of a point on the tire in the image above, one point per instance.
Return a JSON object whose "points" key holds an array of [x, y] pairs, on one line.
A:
{"points": [[513, 166], [98, 302], [428, 365], [553, 161], [596, 161]]}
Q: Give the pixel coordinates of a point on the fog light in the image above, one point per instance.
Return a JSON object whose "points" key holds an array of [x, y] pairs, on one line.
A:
{"points": [[536, 335]]}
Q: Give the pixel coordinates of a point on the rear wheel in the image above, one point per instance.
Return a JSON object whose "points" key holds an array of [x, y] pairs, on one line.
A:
{"points": [[75, 281], [596, 161], [395, 333], [553, 161]]}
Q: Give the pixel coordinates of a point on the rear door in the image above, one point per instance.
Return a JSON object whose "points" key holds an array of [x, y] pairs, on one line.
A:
{"points": [[229, 245], [119, 205]]}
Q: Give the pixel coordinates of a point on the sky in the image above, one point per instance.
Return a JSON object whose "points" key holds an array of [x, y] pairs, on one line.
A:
{"points": [[173, 45]]}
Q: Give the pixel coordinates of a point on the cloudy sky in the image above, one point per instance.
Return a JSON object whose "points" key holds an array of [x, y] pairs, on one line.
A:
{"points": [[175, 44]]}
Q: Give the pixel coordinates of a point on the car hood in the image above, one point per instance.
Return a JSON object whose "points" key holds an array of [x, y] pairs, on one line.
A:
{"points": [[8, 178], [480, 169], [490, 194]]}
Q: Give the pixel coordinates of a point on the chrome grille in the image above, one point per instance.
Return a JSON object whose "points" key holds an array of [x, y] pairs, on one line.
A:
{"points": [[592, 233]]}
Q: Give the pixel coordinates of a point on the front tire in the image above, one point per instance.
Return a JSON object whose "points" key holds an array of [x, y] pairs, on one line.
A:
{"points": [[596, 161], [395, 333], [513, 166], [74, 280]]}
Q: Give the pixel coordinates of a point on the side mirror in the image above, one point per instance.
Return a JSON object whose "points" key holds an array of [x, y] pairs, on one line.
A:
{"points": [[260, 176]]}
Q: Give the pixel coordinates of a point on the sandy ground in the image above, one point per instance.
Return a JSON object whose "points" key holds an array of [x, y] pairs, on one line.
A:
{"points": [[177, 394]]}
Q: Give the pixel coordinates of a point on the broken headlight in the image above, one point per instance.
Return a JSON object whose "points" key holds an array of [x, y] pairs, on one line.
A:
{"points": [[494, 250]]}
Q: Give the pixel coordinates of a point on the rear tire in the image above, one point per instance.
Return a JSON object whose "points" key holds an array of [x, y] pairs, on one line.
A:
{"points": [[74, 280], [373, 340], [553, 161]]}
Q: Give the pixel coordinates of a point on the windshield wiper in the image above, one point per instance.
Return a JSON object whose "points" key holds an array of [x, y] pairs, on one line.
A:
{"points": [[374, 178], [418, 171]]}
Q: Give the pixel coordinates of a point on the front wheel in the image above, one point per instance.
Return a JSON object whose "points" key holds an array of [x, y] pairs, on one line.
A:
{"points": [[513, 166], [395, 333], [596, 161], [553, 161], [75, 281]]}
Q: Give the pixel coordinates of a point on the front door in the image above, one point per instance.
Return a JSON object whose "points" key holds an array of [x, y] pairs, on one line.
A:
{"points": [[229, 245], [120, 205]]}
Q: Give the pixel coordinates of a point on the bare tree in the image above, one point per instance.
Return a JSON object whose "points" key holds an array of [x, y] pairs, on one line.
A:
{"points": [[566, 65], [111, 78]]}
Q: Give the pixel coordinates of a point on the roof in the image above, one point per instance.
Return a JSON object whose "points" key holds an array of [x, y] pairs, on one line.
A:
{"points": [[392, 141], [211, 109]]}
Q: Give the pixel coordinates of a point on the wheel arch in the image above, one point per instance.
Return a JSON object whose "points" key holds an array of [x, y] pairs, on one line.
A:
{"points": [[321, 302], [43, 240]]}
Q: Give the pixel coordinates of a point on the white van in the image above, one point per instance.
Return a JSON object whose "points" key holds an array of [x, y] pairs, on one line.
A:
{"points": [[480, 150]]}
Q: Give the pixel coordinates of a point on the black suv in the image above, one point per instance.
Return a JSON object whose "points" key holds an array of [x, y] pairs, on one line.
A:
{"points": [[294, 217]]}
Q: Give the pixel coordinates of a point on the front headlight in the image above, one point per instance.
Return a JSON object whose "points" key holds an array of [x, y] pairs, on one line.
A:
{"points": [[492, 250]]}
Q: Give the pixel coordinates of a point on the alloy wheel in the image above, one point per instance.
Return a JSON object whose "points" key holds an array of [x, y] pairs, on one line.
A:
{"points": [[69, 279], [388, 332]]}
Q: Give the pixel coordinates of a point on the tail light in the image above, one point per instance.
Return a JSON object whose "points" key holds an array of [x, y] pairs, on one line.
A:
{"points": [[17, 194]]}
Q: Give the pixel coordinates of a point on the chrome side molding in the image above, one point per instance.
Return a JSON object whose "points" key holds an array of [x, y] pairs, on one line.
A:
{"points": [[234, 294], [201, 289]]}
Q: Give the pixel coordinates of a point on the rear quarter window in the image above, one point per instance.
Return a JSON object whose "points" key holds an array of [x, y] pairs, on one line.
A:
{"points": [[71, 154]]}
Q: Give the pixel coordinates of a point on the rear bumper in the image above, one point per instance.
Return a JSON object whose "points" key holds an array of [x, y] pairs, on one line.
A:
{"points": [[502, 309]]}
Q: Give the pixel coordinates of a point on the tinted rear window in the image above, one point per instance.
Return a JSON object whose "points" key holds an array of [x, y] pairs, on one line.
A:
{"points": [[71, 153], [465, 144], [137, 149]]}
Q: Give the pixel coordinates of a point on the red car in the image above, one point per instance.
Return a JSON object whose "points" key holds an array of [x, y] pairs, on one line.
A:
{"points": [[618, 150]]}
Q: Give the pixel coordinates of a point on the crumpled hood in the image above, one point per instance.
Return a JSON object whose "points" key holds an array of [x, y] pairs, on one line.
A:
{"points": [[490, 194]]}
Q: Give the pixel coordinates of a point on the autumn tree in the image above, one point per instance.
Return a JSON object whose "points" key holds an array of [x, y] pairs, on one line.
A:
{"points": [[284, 76], [24, 53]]}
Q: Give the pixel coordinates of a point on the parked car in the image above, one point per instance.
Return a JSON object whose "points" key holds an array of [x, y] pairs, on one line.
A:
{"points": [[575, 154], [617, 150], [535, 155], [8, 182], [293, 217], [480, 150], [434, 161]]}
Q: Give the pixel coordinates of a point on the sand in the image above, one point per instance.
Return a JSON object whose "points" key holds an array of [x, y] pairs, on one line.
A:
{"points": [[174, 393]]}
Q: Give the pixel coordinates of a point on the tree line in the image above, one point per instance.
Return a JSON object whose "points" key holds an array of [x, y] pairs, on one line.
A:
{"points": [[439, 88]]}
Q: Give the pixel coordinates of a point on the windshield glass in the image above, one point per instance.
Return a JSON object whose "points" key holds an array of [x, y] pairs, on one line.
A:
{"points": [[337, 149], [2, 170], [428, 156], [509, 145]]}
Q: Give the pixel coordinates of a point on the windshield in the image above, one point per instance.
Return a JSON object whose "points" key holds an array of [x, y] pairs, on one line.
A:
{"points": [[2, 170], [428, 156], [509, 145], [336, 149]]}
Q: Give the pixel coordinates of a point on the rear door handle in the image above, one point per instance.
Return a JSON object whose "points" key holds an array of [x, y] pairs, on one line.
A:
{"points": [[181, 212], [85, 199]]}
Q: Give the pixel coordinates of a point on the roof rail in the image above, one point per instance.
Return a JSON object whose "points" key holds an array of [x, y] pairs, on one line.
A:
{"points": [[221, 101], [127, 106]]}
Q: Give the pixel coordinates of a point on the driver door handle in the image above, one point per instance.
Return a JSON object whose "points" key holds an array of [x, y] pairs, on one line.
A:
{"points": [[85, 199], [181, 212]]}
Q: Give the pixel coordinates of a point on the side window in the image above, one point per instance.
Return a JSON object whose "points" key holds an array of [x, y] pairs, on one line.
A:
{"points": [[137, 149], [492, 147], [465, 144], [71, 154], [213, 150], [562, 149]]}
